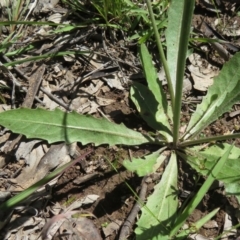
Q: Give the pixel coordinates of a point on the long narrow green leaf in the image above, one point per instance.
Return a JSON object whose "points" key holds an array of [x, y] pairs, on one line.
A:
{"points": [[161, 52], [55, 126], [12, 202], [158, 215], [211, 176], [155, 86], [173, 31], [6, 23], [178, 41], [205, 159], [43, 56], [150, 110], [220, 98], [150, 72], [217, 138], [196, 227]]}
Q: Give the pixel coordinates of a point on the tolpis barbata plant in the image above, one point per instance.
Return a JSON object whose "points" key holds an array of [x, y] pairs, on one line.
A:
{"points": [[160, 217]]}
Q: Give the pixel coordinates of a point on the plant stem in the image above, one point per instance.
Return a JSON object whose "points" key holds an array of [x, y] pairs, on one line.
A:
{"points": [[161, 52], [183, 46], [209, 139]]}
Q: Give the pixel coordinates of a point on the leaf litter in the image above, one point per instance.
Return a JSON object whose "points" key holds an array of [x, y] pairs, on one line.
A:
{"points": [[97, 84]]}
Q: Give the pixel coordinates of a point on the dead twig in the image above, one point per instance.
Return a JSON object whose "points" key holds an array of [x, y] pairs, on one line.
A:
{"points": [[128, 224], [15, 81], [52, 97]]}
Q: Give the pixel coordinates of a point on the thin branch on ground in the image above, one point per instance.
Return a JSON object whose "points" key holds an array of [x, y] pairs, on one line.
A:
{"points": [[128, 224], [15, 81], [52, 97]]}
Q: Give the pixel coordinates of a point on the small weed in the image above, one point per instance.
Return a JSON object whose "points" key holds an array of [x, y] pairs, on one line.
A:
{"points": [[70, 201]]}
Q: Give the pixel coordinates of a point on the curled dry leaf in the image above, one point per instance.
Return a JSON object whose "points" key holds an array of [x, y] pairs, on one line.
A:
{"points": [[202, 72], [228, 224], [112, 227], [91, 198], [56, 155], [78, 229], [56, 18], [211, 224], [4, 3]]}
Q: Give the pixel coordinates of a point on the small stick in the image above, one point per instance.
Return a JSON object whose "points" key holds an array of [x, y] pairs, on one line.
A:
{"points": [[127, 225], [61, 103], [15, 81]]}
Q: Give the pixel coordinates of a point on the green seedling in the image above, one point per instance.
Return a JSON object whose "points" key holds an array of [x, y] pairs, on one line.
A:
{"points": [[106, 10], [105, 224], [160, 217], [15, 11], [70, 201], [129, 16]]}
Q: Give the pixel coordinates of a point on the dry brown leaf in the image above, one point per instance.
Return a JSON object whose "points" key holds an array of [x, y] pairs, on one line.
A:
{"points": [[56, 155], [202, 72], [112, 227]]}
